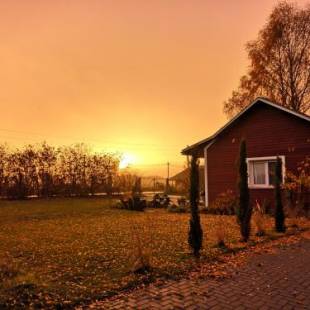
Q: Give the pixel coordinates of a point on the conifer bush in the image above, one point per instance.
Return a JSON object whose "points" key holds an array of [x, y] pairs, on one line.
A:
{"points": [[244, 210], [195, 231], [279, 211]]}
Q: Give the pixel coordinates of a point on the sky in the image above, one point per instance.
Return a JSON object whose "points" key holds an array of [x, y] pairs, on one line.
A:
{"points": [[142, 77]]}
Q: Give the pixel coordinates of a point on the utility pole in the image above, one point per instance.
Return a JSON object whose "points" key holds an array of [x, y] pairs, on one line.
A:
{"points": [[168, 168], [168, 175]]}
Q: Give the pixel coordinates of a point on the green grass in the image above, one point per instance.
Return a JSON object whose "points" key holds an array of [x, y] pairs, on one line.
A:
{"points": [[71, 251]]}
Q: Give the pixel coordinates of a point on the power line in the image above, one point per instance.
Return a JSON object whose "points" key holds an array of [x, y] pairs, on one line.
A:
{"points": [[134, 165], [120, 143], [160, 164]]}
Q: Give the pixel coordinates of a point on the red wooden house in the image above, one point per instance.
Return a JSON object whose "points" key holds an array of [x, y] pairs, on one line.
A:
{"points": [[269, 130]]}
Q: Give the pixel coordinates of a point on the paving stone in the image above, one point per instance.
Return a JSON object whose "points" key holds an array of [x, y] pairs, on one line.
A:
{"points": [[268, 281]]}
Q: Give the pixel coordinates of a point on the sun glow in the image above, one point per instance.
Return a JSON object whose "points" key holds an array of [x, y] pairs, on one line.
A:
{"points": [[127, 160]]}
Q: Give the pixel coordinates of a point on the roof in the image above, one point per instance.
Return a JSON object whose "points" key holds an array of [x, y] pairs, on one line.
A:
{"points": [[181, 176], [260, 100]]}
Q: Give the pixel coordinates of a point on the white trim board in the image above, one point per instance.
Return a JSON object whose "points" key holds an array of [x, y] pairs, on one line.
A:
{"points": [[205, 152]]}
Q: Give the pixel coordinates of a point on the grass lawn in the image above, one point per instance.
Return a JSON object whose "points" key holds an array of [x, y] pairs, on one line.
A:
{"points": [[70, 251]]}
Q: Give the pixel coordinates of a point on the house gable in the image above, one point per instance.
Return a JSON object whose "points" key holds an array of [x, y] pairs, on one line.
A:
{"points": [[268, 131]]}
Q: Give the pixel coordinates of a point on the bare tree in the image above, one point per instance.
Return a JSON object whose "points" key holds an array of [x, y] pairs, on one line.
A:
{"points": [[279, 62], [46, 162], [16, 176], [3, 161]]}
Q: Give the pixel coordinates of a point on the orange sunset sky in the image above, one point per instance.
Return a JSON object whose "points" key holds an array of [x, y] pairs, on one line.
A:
{"points": [[145, 77]]}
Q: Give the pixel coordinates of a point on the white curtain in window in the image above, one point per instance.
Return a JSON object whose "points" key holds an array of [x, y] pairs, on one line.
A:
{"points": [[259, 172]]}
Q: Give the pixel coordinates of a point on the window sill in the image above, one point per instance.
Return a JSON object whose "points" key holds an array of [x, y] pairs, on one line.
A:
{"points": [[261, 187]]}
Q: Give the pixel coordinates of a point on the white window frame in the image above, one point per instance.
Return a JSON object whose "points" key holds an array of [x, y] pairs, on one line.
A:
{"points": [[264, 159]]}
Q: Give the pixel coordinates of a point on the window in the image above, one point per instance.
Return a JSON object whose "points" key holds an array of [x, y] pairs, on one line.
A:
{"points": [[261, 171]]}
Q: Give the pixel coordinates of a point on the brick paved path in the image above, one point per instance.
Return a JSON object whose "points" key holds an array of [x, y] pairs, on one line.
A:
{"points": [[268, 281]]}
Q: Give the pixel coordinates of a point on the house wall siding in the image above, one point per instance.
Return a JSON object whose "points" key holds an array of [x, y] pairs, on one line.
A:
{"points": [[268, 132]]}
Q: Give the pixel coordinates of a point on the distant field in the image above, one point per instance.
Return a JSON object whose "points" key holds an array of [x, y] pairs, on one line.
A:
{"points": [[69, 251]]}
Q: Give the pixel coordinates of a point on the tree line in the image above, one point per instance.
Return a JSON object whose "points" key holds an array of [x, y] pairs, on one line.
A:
{"points": [[46, 171]]}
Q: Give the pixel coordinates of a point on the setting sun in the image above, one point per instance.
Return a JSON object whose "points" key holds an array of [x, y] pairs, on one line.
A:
{"points": [[127, 160]]}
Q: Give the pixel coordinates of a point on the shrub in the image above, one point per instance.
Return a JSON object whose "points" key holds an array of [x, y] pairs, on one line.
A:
{"points": [[155, 202], [224, 204], [160, 201], [134, 203], [259, 219], [221, 233], [182, 206], [297, 188], [244, 211], [141, 250], [292, 214], [177, 209], [182, 202]]}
